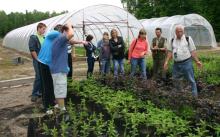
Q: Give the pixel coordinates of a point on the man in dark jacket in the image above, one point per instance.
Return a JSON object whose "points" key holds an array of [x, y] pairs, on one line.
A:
{"points": [[35, 43]]}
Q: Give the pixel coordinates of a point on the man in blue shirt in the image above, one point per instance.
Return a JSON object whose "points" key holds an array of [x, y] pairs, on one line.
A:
{"points": [[59, 65], [44, 59]]}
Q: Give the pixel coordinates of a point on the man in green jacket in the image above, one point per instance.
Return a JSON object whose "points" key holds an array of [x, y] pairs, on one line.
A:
{"points": [[159, 54]]}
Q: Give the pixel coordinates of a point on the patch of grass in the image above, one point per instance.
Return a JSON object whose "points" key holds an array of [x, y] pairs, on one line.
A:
{"points": [[80, 51]]}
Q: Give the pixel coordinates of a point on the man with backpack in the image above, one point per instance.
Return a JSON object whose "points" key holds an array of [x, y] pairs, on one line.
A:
{"points": [[182, 49], [35, 42]]}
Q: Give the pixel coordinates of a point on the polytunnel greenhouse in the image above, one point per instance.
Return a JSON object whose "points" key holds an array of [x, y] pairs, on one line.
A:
{"points": [[92, 20], [195, 25]]}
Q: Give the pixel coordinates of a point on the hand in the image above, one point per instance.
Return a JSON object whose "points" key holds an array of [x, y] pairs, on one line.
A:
{"points": [[165, 66], [199, 64], [142, 54], [129, 62], [156, 47]]}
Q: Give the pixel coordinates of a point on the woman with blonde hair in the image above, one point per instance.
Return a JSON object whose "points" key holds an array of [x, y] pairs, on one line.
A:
{"points": [[117, 47], [137, 51]]}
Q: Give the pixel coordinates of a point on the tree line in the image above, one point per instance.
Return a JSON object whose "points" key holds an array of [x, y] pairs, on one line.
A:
{"points": [[14, 20], [145, 9]]}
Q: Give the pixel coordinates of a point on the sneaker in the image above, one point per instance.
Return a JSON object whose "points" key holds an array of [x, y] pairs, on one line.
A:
{"points": [[34, 98], [63, 109], [56, 106], [49, 112]]}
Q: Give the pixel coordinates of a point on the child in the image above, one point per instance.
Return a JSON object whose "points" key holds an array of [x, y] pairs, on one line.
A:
{"points": [[90, 53]]}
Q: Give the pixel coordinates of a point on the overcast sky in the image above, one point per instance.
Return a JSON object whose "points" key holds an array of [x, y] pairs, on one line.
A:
{"points": [[51, 5]]}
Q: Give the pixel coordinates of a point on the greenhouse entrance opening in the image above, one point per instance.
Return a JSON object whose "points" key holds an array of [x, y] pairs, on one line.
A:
{"points": [[200, 35]]}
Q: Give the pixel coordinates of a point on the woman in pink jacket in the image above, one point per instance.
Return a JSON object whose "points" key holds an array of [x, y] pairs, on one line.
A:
{"points": [[137, 51]]}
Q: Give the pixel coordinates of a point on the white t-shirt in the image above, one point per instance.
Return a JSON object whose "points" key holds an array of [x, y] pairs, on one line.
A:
{"points": [[181, 49]]}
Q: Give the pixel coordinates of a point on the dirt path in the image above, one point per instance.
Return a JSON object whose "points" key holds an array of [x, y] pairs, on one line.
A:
{"points": [[14, 110], [9, 70]]}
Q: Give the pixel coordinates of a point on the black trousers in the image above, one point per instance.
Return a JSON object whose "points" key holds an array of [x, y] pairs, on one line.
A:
{"points": [[91, 63], [70, 64], [48, 97]]}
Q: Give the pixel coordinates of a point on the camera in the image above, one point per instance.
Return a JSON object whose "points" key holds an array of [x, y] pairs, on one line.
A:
{"points": [[175, 55]]}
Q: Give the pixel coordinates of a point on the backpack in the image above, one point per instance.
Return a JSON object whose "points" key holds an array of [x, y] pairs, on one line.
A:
{"points": [[187, 39]]}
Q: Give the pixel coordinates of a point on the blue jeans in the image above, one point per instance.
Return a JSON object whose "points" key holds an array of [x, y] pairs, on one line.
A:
{"points": [[37, 82], [142, 65], [91, 62], [185, 70], [105, 66], [118, 63]]}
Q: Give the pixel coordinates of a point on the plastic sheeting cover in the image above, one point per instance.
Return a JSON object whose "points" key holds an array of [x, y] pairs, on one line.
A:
{"points": [[196, 26], [97, 19]]}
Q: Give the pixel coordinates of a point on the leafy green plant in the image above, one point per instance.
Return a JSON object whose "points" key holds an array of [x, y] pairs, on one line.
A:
{"points": [[46, 130], [100, 125], [111, 132], [64, 127], [217, 129], [54, 132], [202, 129], [84, 132]]}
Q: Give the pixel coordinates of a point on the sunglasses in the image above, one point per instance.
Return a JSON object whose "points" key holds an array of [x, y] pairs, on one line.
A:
{"points": [[142, 33]]}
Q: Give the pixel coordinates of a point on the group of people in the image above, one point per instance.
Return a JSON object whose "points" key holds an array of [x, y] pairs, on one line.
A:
{"points": [[52, 59], [113, 48]]}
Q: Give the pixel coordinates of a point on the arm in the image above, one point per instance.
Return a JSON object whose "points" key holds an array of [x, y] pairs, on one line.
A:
{"points": [[131, 49], [99, 44], [169, 56], [100, 53], [113, 48], [122, 43], [93, 47], [162, 49], [72, 42], [146, 47], [196, 59], [34, 55], [153, 48], [192, 49], [32, 47], [86, 46]]}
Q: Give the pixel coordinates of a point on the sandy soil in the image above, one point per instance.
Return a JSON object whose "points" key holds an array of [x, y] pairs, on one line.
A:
{"points": [[9, 70]]}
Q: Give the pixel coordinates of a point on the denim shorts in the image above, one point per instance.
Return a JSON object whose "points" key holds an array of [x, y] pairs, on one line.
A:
{"points": [[60, 85]]}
